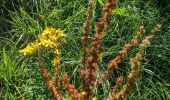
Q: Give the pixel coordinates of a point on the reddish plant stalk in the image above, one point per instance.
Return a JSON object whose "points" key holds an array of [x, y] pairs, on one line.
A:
{"points": [[95, 45], [71, 90], [46, 76], [57, 79], [135, 64], [113, 65], [86, 32]]}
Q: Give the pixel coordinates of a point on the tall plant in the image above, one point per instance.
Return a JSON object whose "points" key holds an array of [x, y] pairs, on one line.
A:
{"points": [[51, 38]]}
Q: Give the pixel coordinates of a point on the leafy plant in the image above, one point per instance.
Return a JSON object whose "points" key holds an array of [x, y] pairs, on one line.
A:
{"points": [[50, 38]]}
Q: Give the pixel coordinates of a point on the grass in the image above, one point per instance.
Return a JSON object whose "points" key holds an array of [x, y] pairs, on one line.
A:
{"points": [[23, 20], [13, 74]]}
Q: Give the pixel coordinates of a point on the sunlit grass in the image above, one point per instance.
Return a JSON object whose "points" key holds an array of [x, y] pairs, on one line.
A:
{"points": [[19, 77]]}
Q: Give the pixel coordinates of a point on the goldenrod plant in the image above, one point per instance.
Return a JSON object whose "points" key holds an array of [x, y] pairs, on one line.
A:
{"points": [[52, 38]]}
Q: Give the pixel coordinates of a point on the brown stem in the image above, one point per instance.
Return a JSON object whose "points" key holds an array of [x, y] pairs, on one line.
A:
{"points": [[71, 90], [133, 75], [95, 45], [86, 32], [113, 65], [46, 76]]}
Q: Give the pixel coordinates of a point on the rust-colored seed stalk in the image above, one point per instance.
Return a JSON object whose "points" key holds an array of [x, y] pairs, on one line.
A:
{"points": [[95, 45], [55, 93], [88, 73], [113, 65], [86, 32], [134, 63], [71, 90]]}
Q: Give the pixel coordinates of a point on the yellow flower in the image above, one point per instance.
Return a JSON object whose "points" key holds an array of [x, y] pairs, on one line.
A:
{"points": [[56, 61], [56, 52], [94, 98], [49, 38], [29, 49], [83, 93], [46, 43]]}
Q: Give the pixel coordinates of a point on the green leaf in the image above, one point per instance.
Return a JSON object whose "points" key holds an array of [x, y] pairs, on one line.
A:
{"points": [[4, 57], [101, 2]]}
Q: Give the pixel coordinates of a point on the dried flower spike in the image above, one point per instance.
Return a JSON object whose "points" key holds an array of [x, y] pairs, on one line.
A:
{"points": [[95, 45], [55, 93], [113, 65], [71, 90], [86, 32], [135, 63]]}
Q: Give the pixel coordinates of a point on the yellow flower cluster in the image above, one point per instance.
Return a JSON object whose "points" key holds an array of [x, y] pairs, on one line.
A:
{"points": [[50, 38], [29, 49], [56, 58]]}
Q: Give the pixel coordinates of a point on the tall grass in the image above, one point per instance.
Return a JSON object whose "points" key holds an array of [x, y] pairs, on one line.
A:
{"points": [[28, 18], [13, 75]]}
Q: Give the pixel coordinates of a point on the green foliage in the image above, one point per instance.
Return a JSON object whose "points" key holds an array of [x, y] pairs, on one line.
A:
{"points": [[12, 75], [22, 20]]}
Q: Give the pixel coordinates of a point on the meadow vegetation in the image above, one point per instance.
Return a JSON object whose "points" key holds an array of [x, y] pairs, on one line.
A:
{"points": [[23, 23]]}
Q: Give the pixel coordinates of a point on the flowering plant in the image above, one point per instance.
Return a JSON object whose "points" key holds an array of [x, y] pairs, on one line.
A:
{"points": [[51, 38]]}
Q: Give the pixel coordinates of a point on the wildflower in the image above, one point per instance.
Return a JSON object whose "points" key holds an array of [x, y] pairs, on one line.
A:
{"points": [[50, 38], [83, 93], [56, 52], [55, 61], [29, 49], [113, 65]]}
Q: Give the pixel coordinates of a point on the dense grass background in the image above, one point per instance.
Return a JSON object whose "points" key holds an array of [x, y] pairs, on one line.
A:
{"points": [[22, 20]]}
